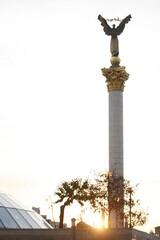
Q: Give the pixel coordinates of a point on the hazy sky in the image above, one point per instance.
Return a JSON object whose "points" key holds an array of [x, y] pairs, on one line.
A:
{"points": [[54, 101]]}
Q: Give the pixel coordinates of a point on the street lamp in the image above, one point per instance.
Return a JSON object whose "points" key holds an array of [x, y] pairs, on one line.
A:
{"points": [[130, 191], [108, 176], [116, 199]]}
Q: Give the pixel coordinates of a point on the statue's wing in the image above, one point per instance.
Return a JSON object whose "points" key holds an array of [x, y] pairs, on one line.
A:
{"points": [[107, 29], [121, 26], [126, 20]]}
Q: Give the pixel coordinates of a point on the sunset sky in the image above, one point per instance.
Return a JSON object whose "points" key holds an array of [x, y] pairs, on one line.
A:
{"points": [[54, 101]]}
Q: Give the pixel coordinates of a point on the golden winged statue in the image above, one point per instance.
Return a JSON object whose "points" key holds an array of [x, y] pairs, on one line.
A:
{"points": [[114, 32]]}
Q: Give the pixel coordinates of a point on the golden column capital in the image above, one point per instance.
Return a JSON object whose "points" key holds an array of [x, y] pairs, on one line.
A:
{"points": [[115, 78]]}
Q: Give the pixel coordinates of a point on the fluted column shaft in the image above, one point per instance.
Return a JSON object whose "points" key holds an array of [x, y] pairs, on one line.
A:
{"points": [[116, 133]]}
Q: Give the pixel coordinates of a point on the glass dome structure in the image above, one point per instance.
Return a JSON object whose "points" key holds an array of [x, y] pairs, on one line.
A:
{"points": [[14, 215]]}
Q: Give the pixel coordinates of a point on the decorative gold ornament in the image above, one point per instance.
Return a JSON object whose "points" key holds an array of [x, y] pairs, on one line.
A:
{"points": [[114, 19], [115, 60], [115, 78]]}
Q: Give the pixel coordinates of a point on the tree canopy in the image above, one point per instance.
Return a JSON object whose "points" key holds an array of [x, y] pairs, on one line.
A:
{"points": [[69, 191], [106, 194]]}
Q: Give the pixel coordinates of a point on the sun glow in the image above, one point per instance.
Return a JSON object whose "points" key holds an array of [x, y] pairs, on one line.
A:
{"points": [[93, 219], [87, 216]]}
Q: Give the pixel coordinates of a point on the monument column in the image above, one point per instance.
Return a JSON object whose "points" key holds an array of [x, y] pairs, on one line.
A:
{"points": [[115, 79]]}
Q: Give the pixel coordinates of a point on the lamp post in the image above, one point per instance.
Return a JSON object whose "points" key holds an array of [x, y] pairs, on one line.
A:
{"points": [[116, 201], [130, 191], [108, 176]]}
